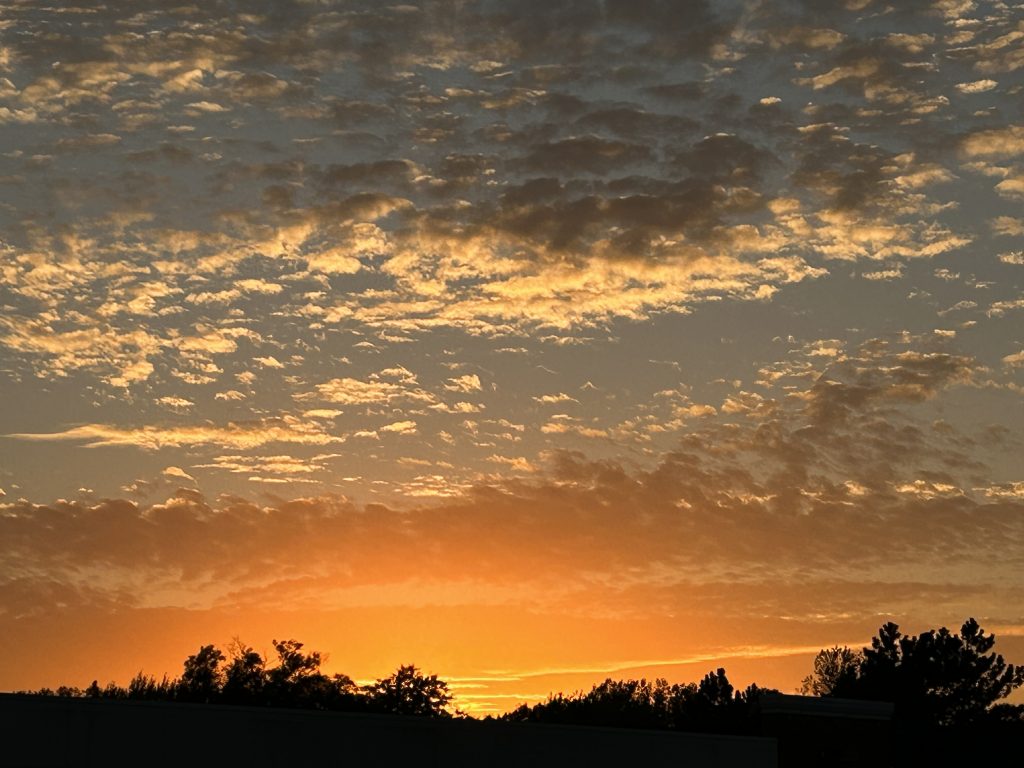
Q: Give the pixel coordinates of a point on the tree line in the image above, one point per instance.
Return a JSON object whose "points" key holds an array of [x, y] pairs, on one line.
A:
{"points": [[242, 676], [710, 706], [938, 678]]}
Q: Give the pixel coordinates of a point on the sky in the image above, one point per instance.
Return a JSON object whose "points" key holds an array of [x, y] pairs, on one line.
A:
{"points": [[528, 342]]}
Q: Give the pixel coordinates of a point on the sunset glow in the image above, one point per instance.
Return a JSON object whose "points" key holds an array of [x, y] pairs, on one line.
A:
{"points": [[531, 343]]}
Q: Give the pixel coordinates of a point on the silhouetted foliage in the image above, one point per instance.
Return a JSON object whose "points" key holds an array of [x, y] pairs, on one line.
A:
{"points": [[625, 703], [409, 692], [295, 678], [146, 687], [937, 677], [717, 708], [710, 706], [834, 669], [244, 676], [202, 679]]}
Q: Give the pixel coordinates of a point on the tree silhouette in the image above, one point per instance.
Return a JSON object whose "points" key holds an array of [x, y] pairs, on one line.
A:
{"points": [[202, 679], [287, 683], [409, 692], [297, 681], [835, 668], [936, 677], [245, 675], [146, 687], [716, 707]]}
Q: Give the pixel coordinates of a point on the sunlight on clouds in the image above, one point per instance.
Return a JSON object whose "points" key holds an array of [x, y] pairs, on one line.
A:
{"points": [[998, 142], [377, 389], [242, 435], [706, 311]]}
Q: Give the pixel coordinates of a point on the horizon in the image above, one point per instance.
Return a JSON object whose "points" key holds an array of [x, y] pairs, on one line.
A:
{"points": [[497, 691], [528, 343]]}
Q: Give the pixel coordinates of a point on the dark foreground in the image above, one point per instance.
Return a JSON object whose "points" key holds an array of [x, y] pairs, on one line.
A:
{"points": [[795, 732], [51, 731]]}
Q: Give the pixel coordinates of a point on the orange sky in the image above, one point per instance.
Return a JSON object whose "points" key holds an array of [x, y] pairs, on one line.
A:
{"points": [[493, 658]]}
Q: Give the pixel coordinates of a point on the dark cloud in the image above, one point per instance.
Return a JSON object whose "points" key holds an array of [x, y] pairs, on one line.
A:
{"points": [[585, 154], [852, 175], [725, 157], [882, 376], [351, 113], [629, 122], [167, 152], [374, 175], [688, 91], [579, 30]]}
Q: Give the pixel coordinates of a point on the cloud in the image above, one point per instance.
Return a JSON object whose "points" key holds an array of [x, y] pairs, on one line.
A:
{"points": [[468, 383], [176, 403], [999, 308], [201, 221], [375, 390], [1001, 52], [977, 86], [400, 427], [177, 472], [996, 142], [206, 106], [121, 357], [322, 413], [884, 274], [584, 154], [230, 394], [878, 375], [561, 397], [703, 515], [565, 426], [1007, 226], [266, 468], [517, 463], [563, 212], [1016, 360], [268, 362], [1013, 491], [834, 487], [287, 429]]}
